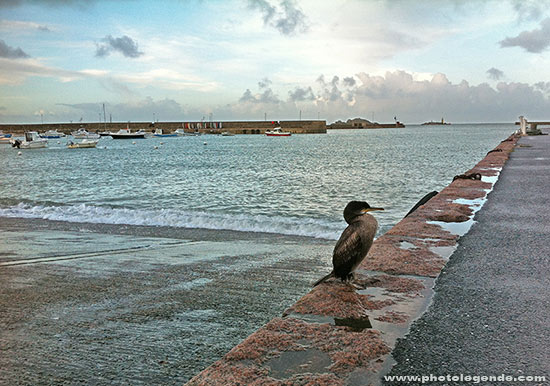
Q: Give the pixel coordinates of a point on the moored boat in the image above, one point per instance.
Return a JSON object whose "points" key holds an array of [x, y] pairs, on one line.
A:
{"points": [[127, 134], [84, 144], [52, 134], [82, 133], [161, 133], [182, 132], [2, 135], [277, 132], [32, 141]]}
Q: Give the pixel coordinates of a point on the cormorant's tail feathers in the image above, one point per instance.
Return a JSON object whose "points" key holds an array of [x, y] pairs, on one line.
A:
{"points": [[324, 278]]}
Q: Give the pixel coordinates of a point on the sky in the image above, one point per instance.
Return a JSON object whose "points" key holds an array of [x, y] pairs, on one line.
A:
{"points": [[190, 60]]}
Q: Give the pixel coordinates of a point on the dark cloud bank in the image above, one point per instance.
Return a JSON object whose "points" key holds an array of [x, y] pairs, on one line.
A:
{"points": [[495, 73], [287, 17], [10, 52], [124, 45], [398, 94], [534, 41]]}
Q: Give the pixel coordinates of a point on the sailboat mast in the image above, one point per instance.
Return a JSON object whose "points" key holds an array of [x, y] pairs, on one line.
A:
{"points": [[104, 118]]}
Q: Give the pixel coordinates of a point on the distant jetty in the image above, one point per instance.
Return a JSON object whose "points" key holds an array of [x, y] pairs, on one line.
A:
{"points": [[233, 127], [360, 123], [436, 123]]}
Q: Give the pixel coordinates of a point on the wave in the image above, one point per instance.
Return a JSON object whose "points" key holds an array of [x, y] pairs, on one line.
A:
{"points": [[176, 218]]}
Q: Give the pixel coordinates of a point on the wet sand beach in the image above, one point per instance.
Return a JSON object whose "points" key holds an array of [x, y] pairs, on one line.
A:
{"points": [[104, 304]]}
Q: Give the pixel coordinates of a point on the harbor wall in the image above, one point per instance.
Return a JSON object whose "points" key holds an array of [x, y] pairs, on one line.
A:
{"points": [[341, 335], [340, 126], [236, 127]]}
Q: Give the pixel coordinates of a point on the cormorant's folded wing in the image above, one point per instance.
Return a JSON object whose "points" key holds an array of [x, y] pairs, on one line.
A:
{"points": [[347, 250]]}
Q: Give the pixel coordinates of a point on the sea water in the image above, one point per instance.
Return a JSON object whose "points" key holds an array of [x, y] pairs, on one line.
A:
{"points": [[294, 185], [144, 261]]}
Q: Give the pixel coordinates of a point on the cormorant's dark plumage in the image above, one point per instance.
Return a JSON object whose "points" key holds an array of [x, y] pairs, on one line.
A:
{"points": [[355, 241]]}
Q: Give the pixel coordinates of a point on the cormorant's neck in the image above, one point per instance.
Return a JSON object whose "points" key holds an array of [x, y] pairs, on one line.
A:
{"points": [[353, 218]]}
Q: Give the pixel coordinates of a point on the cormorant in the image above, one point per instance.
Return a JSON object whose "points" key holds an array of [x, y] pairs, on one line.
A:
{"points": [[355, 241], [422, 201]]}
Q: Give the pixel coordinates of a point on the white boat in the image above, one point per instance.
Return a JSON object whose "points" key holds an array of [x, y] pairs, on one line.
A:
{"points": [[127, 134], [84, 144], [52, 134], [32, 141], [227, 134], [183, 133], [82, 133], [277, 132], [161, 133]]}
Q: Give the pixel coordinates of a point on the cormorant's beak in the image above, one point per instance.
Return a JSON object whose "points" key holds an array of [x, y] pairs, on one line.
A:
{"points": [[371, 209]]}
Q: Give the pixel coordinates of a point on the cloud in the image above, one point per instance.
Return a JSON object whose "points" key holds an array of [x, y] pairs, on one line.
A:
{"points": [[301, 94], [530, 9], [10, 52], [349, 81], [266, 94], [78, 3], [18, 26], [124, 44], [534, 41], [495, 73], [330, 90], [264, 83], [287, 18], [140, 110], [397, 93], [16, 71]]}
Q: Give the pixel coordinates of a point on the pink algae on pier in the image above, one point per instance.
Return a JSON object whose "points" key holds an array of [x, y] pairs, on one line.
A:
{"points": [[338, 300], [246, 364], [320, 353], [387, 256]]}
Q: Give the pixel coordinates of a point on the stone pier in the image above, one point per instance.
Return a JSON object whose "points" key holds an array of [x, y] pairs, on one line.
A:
{"points": [[339, 335]]}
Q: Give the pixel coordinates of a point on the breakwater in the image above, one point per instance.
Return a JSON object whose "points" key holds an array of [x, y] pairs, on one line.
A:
{"points": [[338, 335], [236, 127]]}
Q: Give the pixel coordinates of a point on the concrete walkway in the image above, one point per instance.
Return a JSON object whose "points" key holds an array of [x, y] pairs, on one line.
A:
{"points": [[491, 311]]}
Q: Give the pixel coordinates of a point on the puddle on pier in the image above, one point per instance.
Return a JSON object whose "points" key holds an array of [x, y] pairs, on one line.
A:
{"points": [[290, 363], [456, 228], [477, 202], [407, 246], [444, 251], [490, 179]]}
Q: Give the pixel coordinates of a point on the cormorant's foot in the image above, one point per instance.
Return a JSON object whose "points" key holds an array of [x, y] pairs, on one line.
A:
{"points": [[357, 286], [349, 278]]}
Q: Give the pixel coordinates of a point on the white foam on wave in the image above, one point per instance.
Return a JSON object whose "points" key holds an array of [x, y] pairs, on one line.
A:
{"points": [[174, 218]]}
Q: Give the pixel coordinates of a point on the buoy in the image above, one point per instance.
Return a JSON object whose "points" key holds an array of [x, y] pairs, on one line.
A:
{"points": [[19, 153]]}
